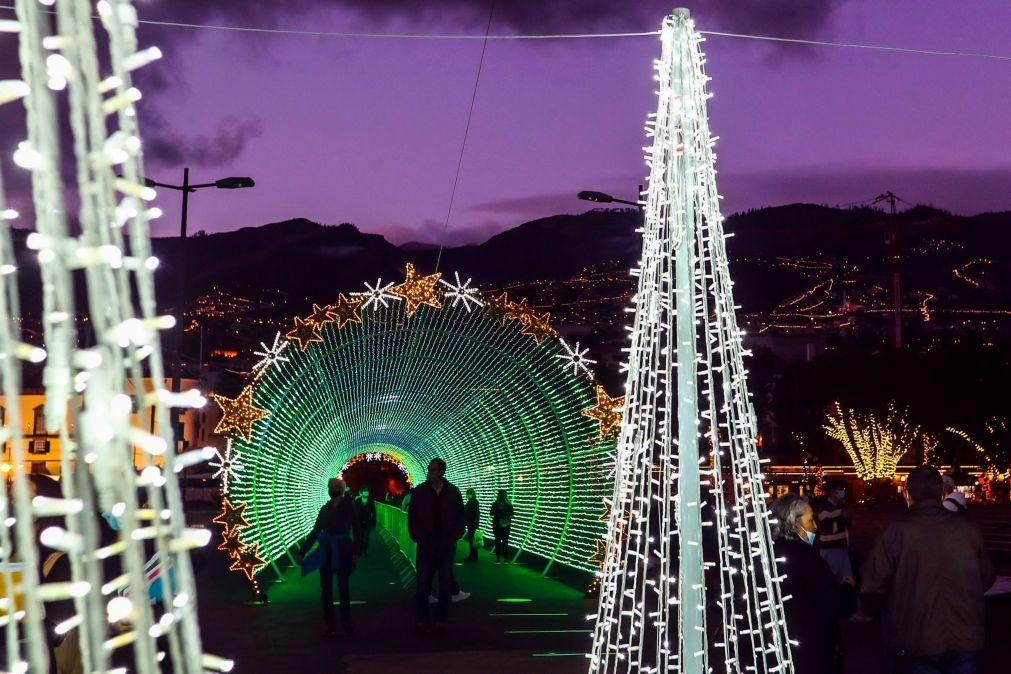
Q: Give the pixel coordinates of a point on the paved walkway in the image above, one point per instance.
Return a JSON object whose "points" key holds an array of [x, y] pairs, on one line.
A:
{"points": [[515, 622]]}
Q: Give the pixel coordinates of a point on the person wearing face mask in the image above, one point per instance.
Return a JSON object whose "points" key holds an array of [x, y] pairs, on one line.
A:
{"points": [[817, 601], [338, 534], [929, 569], [833, 531]]}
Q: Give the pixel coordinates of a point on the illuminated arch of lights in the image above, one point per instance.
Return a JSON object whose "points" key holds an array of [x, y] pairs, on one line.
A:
{"points": [[421, 369], [383, 454]]}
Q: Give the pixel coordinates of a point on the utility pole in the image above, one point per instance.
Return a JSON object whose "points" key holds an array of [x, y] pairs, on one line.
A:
{"points": [[177, 341], [893, 251]]}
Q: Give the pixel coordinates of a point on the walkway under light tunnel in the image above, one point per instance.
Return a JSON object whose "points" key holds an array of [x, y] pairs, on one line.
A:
{"points": [[503, 411]]}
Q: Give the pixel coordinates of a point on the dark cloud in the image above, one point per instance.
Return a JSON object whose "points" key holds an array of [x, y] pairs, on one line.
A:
{"points": [[788, 18], [536, 205], [168, 148]]}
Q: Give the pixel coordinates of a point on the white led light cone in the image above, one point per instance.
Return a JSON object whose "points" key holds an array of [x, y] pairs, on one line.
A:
{"points": [[688, 581]]}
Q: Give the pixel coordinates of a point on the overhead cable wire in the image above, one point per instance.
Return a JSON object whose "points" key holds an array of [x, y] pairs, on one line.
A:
{"points": [[466, 133], [854, 45], [562, 36]]}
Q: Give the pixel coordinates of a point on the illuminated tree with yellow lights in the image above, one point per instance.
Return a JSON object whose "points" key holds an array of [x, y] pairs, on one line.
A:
{"points": [[992, 444], [875, 441]]}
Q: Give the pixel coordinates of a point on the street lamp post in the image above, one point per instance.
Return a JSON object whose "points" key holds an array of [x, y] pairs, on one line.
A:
{"points": [[235, 182], [605, 198]]}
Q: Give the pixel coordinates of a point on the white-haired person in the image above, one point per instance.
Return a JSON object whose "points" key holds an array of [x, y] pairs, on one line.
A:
{"points": [[817, 600], [338, 535]]}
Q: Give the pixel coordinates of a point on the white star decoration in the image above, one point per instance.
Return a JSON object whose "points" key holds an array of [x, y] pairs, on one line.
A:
{"points": [[462, 292], [228, 466], [576, 358], [271, 355], [377, 294]]}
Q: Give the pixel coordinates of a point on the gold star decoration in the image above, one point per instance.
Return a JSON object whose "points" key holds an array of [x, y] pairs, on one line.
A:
{"points": [[248, 561], [607, 412], [518, 311], [599, 554], [231, 516], [320, 316], [345, 311], [498, 307], [239, 414], [538, 327], [605, 516], [417, 290], [231, 543], [304, 333]]}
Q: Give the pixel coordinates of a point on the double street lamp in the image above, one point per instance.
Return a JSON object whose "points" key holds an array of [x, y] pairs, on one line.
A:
{"points": [[232, 183]]}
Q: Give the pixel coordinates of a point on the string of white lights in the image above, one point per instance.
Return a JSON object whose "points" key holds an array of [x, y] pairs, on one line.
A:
{"points": [[97, 396], [689, 582], [565, 36]]}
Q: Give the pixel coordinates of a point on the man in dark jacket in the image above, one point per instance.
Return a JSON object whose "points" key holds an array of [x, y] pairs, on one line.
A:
{"points": [[933, 570], [473, 509], [435, 520], [366, 508]]}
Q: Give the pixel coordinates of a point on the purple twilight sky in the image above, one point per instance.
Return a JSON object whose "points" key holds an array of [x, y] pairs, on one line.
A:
{"points": [[369, 130]]}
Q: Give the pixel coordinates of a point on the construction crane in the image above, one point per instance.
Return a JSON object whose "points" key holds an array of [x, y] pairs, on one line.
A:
{"points": [[893, 248]]}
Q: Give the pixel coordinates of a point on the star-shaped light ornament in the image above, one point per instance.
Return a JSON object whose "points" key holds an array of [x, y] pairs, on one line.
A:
{"points": [[238, 414], [377, 295], [518, 311], [232, 516], [607, 412], [271, 355], [418, 290], [229, 469], [462, 292], [248, 561], [305, 333], [498, 307], [345, 310], [538, 327], [230, 543], [576, 358], [599, 553], [320, 316]]}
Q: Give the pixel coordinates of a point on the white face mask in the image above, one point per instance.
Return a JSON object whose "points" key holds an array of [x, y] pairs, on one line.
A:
{"points": [[809, 536]]}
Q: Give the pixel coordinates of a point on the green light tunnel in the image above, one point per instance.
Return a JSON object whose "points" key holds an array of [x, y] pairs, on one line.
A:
{"points": [[504, 413]]}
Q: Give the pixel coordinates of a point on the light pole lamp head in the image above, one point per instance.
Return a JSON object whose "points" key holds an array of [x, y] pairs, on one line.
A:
{"points": [[234, 183], [597, 197]]}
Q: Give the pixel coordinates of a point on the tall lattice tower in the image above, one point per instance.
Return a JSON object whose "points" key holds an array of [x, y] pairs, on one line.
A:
{"points": [[104, 383], [689, 580]]}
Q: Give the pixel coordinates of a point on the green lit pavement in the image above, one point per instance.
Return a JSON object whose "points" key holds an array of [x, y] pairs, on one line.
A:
{"points": [[515, 621]]}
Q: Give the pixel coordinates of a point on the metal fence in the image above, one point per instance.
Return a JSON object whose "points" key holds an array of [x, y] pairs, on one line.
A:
{"points": [[394, 521]]}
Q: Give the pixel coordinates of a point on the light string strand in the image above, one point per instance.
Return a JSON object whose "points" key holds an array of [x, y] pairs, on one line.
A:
{"points": [[566, 36]]}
